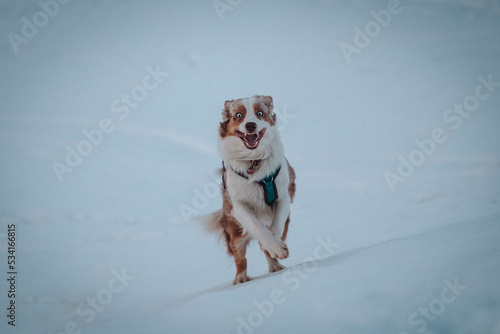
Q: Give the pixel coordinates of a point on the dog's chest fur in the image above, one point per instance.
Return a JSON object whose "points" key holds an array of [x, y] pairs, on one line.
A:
{"points": [[251, 194]]}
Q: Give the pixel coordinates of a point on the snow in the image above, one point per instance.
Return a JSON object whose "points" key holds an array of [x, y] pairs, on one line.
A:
{"points": [[419, 258]]}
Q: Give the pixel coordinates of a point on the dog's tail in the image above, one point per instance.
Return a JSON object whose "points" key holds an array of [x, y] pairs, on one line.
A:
{"points": [[212, 223]]}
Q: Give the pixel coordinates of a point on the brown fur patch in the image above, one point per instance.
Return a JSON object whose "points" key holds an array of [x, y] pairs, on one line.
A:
{"points": [[232, 228], [230, 121], [267, 114], [223, 128], [285, 230], [233, 232], [291, 185]]}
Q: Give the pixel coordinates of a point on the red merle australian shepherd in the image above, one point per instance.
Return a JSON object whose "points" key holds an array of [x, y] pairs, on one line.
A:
{"points": [[258, 183]]}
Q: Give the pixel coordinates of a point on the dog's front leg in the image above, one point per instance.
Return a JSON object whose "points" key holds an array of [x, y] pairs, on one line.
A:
{"points": [[281, 217], [269, 242], [279, 228]]}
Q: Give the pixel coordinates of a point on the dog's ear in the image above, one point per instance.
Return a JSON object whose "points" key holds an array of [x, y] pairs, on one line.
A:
{"points": [[268, 101], [226, 116], [226, 112]]}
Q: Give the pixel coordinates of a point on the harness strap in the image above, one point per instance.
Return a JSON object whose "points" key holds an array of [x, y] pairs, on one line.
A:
{"points": [[267, 183], [269, 187]]}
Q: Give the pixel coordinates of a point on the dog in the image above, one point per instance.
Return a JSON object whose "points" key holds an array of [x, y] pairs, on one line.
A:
{"points": [[258, 184]]}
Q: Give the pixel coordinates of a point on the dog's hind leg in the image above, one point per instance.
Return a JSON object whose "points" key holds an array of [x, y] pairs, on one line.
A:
{"points": [[239, 249]]}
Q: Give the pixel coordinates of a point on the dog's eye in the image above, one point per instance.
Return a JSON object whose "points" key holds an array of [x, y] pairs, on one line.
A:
{"points": [[260, 113], [239, 115]]}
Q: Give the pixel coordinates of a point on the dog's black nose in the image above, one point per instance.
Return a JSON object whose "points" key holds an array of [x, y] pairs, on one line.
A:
{"points": [[251, 126]]}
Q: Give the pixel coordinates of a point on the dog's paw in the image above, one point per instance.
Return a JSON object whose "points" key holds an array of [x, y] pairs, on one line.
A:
{"points": [[274, 267], [241, 278], [277, 250]]}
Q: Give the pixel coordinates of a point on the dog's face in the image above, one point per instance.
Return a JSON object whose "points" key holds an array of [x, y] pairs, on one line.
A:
{"points": [[248, 119]]}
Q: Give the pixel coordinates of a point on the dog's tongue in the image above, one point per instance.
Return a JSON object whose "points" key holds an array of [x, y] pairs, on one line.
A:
{"points": [[251, 138]]}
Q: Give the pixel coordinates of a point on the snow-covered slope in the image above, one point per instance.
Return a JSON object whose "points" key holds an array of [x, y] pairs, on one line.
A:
{"points": [[444, 281], [395, 146]]}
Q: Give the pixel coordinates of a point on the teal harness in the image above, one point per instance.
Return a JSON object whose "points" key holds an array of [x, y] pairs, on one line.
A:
{"points": [[267, 183]]}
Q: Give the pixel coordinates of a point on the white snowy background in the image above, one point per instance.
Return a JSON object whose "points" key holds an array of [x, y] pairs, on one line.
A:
{"points": [[393, 255]]}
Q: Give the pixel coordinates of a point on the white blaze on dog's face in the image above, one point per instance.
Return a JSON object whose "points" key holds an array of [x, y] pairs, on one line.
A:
{"points": [[249, 120]]}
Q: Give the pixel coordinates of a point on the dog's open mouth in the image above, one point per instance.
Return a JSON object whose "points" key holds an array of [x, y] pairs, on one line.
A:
{"points": [[251, 140]]}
